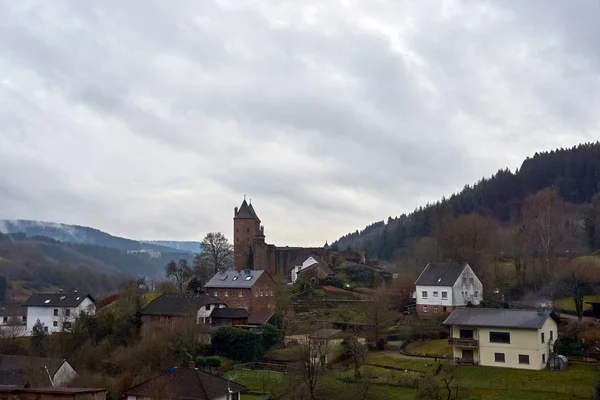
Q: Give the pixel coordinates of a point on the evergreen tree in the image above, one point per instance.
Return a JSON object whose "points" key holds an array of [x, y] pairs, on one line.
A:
{"points": [[38, 338], [3, 285]]}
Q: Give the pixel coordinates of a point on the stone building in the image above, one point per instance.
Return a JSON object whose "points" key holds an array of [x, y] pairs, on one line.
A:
{"points": [[251, 251]]}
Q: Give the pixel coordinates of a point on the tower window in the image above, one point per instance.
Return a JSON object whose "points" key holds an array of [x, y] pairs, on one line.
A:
{"points": [[237, 230], [247, 229]]}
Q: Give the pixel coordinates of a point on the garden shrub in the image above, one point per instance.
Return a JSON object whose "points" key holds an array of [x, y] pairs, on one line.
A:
{"points": [[238, 344]]}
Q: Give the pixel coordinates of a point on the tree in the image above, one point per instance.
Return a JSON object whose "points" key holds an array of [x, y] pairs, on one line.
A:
{"points": [[3, 289], [379, 315], [216, 253], [356, 351], [577, 278], [39, 337], [440, 386], [312, 353], [180, 271]]}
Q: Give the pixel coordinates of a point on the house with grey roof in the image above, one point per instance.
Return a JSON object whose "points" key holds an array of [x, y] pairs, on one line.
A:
{"points": [[442, 287], [20, 371], [57, 311], [252, 290], [499, 337], [13, 316]]}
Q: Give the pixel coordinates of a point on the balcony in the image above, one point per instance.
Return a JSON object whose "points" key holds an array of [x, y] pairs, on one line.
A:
{"points": [[465, 343]]}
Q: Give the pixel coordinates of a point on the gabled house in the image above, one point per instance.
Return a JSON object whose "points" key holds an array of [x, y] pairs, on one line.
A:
{"points": [[13, 315], [229, 316], [442, 287], [168, 308], [21, 371], [252, 290], [303, 261], [312, 271], [500, 337], [185, 384], [57, 311]]}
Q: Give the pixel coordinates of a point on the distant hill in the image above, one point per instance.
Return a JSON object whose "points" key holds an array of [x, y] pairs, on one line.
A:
{"points": [[574, 172], [84, 235], [188, 247]]}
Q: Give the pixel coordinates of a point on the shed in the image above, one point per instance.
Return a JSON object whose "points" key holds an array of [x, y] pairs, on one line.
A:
{"points": [[558, 363]]}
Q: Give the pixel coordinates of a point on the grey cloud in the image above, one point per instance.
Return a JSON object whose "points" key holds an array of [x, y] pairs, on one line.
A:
{"points": [[163, 116]]}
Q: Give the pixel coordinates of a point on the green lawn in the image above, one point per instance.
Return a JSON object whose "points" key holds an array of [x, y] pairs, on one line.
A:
{"points": [[384, 360], [283, 354], [430, 347], [568, 304]]}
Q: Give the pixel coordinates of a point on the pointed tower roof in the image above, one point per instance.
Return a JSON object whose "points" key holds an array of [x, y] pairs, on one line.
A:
{"points": [[252, 211], [245, 212], [326, 245]]}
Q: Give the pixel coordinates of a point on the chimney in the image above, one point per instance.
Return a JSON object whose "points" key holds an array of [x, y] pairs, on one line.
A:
{"points": [[235, 211], [191, 364]]}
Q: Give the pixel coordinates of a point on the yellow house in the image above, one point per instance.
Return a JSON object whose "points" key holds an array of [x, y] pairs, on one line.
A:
{"points": [[501, 337]]}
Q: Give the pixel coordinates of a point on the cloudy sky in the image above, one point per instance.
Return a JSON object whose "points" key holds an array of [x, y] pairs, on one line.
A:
{"points": [[151, 119]]}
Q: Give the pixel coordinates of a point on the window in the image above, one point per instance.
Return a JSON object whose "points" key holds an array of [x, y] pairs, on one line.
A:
{"points": [[424, 308], [55, 323], [424, 294], [5, 319], [226, 293], [445, 309], [466, 334], [237, 230], [207, 307], [465, 281], [240, 293], [523, 359], [444, 295], [476, 294], [551, 335], [24, 318], [249, 277], [499, 337], [499, 357], [45, 329], [544, 358], [262, 292], [56, 312], [247, 229], [471, 281], [235, 278], [435, 294], [68, 313], [67, 325], [216, 293], [235, 396], [435, 309], [543, 338]]}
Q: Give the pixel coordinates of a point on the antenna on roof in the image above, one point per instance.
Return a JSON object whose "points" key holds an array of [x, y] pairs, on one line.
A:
{"points": [[244, 197]]}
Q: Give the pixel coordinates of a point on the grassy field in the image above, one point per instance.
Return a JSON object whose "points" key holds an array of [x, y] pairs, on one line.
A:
{"points": [[283, 354], [568, 304], [429, 347], [384, 360]]}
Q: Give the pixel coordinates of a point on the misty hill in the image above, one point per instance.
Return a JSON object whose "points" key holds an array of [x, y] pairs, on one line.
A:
{"points": [[574, 172], [84, 235], [188, 247]]}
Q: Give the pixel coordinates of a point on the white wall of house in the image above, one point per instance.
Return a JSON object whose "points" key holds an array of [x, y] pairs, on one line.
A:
{"points": [[64, 375], [526, 343], [54, 320], [435, 295], [306, 263], [467, 288], [204, 312]]}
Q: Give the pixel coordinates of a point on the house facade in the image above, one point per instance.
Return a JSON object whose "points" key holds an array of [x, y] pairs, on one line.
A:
{"points": [[14, 316], [302, 264], [35, 371], [498, 337], [442, 287], [169, 308], [57, 311], [252, 290]]}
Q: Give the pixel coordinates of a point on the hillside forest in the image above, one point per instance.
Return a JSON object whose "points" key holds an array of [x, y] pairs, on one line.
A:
{"points": [[516, 228]]}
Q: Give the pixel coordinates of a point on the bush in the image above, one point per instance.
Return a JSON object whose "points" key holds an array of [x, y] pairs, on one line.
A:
{"points": [[433, 335], [271, 336], [238, 344], [569, 346], [332, 282], [443, 335], [213, 362]]}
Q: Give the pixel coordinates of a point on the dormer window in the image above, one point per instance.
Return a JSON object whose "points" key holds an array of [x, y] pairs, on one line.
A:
{"points": [[249, 277], [235, 278]]}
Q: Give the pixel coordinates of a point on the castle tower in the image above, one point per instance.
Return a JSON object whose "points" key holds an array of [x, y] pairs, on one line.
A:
{"points": [[246, 230]]}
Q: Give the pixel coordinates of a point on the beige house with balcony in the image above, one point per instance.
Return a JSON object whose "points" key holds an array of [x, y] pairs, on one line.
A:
{"points": [[499, 337]]}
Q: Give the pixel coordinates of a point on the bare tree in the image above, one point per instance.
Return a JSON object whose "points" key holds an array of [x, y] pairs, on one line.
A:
{"points": [[578, 276], [312, 353], [379, 315], [442, 386], [216, 253], [13, 329], [356, 351], [180, 271]]}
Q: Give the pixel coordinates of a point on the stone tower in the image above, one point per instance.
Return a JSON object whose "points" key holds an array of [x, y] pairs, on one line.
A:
{"points": [[246, 232]]}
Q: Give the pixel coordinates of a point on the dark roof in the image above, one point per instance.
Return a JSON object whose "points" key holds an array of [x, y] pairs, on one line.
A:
{"points": [[57, 299], [326, 333], [245, 212], [252, 211], [304, 255], [230, 313], [59, 390], [500, 317], [178, 304], [185, 383], [258, 232], [324, 267], [440, 274], [12, 309], [17, 370], [259, 318], [232, 278]]}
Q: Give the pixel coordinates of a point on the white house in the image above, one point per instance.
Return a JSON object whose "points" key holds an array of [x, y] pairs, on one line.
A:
{"points": [[501, 337], [442, 287], [57, 311], [300, 265]]}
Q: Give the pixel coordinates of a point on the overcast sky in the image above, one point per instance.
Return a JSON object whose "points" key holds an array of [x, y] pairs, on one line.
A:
{"points": [[151, 119]]}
